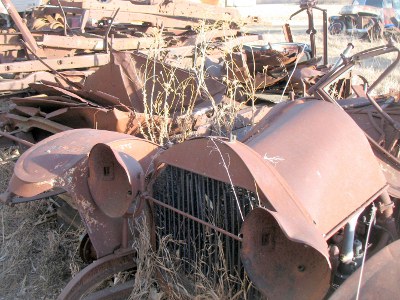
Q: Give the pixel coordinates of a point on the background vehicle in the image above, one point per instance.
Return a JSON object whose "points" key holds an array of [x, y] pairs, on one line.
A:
{"points": [[366, 18]]}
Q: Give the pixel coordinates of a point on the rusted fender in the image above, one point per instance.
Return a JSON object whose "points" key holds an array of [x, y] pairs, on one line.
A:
{"points": [[324, 157], [312, 168], [63, 161], [380, 279]]}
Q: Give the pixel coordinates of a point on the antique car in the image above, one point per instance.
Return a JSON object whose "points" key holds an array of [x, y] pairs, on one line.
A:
{"points": [[288, 212], [366, 18]]}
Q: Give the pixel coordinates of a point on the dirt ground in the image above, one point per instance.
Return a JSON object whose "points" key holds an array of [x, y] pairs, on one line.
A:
{"points": [[38, 256]]}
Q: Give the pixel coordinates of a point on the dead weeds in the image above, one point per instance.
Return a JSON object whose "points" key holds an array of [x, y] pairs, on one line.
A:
{"points": [[37, 257]]}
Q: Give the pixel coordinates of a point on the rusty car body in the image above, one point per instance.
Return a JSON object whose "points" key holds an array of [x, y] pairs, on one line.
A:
{"points": [[255, 198], [273, 207]]}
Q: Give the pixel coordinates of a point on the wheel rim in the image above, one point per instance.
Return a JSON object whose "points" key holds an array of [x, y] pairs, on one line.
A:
{"points": [[82, 285]]}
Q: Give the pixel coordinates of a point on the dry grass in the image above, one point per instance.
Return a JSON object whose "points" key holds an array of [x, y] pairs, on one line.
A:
{"points": [[164, 263], [37, 257]]}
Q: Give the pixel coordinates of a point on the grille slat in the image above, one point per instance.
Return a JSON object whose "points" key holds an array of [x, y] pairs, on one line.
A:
{"points": [[195, 244]]}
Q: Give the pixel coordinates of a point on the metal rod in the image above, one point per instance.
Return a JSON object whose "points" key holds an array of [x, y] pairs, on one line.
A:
{"points": [[325, 30], [311, 31], [182, 213], [332, 75], [64, 16], [371, 221], [388, 118], [109, 29], [14, 138], [51, 69], [393, 66], [348, 241], [328, 78], [287, 32], [388, 155], [54, 192], [125, 232], [344, 54]]}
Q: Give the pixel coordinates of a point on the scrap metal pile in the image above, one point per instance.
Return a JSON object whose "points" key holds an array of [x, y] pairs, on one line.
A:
{"points": [[305, 188], [184, 75], [75, 35]]}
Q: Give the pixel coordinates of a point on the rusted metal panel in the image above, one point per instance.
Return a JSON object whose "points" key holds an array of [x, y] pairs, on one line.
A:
{"points": [[94, 118], [26, 111], [64, 63], [143, 83], [261, 66], [168, 14], [24, 83], [98, 44], [54, 89], [82, 140], [57, 115], [287, 32], [385, 135], [25, 124], [118, 105], [385, 150]]}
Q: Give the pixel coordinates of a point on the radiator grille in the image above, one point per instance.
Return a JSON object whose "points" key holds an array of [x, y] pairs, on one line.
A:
{"points": [[197, 246]]}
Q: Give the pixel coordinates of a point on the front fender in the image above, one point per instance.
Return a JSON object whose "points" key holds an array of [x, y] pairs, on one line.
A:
{"points": [[62, 161]]}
